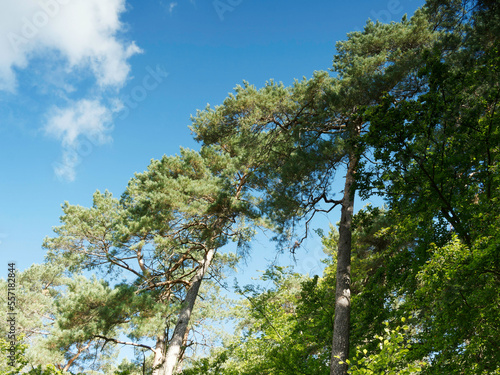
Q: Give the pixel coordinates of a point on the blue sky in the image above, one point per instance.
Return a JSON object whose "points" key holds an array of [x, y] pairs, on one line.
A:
{"points": [[92, 90]]}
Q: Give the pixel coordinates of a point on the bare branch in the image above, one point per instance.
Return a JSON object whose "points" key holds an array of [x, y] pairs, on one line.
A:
{"points": [[109, 339], [74, 358]]}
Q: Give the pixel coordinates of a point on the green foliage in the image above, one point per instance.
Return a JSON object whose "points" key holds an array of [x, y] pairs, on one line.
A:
{"points": [[267, 339], [46, 370], [263, 130], [21, 362], [391, 357], [301, 137], [437, 148], [437, 153], [459, 289], [38, 287], [380, 257], [379, 59], [287, 328], [140, 366], [153, 240], [12, 354], [91, 307], [413, 110]]}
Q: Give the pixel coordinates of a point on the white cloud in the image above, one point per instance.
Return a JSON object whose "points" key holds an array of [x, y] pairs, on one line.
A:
{"points": [[70, 40], [79, 126], [89, 118], [84, 33]]}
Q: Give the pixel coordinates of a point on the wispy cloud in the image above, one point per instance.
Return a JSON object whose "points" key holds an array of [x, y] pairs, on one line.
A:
{"points": [[171, 7], [83, 121], [89, 118]]}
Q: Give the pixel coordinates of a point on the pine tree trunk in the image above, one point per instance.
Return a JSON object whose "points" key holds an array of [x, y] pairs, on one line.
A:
{"points": [[174, 348], [159, 354], [340, 347], [180, 362]]}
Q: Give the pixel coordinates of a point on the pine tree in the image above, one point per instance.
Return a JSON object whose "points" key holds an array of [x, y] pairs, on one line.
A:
{"points": [[161, 237], [306, 134]]}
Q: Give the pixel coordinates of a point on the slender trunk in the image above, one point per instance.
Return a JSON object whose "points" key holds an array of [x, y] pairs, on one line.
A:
{"points": [[159, 354], [174, 348], [340, 347]]}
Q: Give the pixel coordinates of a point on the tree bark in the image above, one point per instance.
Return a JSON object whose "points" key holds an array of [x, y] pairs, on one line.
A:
{"points": [[180, 361], [174, 348], [340, 345], [159, 354]]}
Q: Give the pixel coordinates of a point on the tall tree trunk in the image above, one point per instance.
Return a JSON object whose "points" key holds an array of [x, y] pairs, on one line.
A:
{"points": [[174, 348], [340, 347], [180, 362], [159, 354]]}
